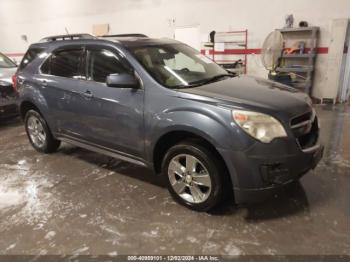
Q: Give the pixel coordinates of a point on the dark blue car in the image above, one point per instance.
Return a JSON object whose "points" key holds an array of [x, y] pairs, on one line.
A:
{"points": [[159, 103]]}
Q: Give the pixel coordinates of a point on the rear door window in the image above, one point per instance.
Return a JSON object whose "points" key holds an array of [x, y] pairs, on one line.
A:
{"points": [[65, 63], [102, 63]]}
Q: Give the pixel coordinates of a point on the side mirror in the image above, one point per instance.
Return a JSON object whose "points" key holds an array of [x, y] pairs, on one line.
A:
{"points": [[122, 81]]}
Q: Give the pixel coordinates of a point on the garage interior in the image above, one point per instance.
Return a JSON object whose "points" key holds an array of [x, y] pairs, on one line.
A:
{"points": [[77, 202]]}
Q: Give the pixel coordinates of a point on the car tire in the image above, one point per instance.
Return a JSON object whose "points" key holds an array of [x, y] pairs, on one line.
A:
{"points": [[200, 186], [39, 133]]}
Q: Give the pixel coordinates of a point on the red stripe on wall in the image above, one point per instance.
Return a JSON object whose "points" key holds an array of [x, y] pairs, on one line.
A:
{"points": [[249, 51], [322, 50]]}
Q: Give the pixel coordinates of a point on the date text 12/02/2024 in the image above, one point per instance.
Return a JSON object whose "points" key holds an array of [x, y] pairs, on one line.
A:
{"points": [[174, 258]]}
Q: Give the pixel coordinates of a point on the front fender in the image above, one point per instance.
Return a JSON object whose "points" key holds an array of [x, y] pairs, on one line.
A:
{"points": [[212, 124]]}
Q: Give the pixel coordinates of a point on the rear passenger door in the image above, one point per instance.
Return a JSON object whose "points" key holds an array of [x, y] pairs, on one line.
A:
{"points": [[115, 115], [62, 81]]}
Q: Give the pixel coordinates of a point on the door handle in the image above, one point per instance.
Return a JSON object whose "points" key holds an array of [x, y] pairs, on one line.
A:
{"points": [[88, 94], [44, 83], [20, 81]]}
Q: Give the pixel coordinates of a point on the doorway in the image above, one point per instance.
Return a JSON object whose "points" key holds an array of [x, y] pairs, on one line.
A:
{"points": [[344, 87], [189, 35]]}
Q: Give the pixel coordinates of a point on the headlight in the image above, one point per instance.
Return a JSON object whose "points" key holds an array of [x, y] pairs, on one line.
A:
{"points": [[260, 126]]}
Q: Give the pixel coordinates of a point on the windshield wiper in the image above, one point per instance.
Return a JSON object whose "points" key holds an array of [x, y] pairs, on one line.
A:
{"points": [[205, 81], [211, 79]]}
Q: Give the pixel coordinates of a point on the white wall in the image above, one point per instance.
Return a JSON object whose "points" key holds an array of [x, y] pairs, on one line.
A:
{"points": [[39, 18]]}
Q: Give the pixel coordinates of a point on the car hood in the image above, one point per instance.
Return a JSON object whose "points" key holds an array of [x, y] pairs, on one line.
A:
{"points": [[255, 93], [7, 73]]}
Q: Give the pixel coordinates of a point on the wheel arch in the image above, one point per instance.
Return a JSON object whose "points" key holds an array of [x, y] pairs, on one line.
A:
{"points": [[25, 106], [171, 138]]}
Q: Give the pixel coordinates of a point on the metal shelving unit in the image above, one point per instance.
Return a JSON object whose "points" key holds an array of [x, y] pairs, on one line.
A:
{"points": [[300, 69], [300, 65], [231, 40], [298, 56]]}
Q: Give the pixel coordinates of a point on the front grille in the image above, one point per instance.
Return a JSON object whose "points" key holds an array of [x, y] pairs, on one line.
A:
{"points": [[300, 119], [309, 139], [305, 130]]}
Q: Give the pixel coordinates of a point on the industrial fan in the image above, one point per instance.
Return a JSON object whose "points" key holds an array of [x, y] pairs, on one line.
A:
{"points": [[271, 56], [272, 50]]}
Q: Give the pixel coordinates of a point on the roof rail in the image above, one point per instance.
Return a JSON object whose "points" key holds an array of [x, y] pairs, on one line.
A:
{"points": [[125, 35], [67, 37]]}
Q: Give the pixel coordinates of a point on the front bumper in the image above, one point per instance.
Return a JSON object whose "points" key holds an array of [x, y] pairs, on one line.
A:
{"points": [[264, 168]]}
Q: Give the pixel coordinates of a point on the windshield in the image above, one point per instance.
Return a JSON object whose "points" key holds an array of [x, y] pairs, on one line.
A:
{"points": [[177, 65], [6, 62]]}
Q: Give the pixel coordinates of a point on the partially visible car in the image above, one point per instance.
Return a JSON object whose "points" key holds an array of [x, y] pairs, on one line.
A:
{"points": [[8, 92]]}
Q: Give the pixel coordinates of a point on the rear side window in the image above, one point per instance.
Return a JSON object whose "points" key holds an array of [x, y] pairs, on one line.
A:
{"points": [[65, 63], [102, 63], [30, 56]]}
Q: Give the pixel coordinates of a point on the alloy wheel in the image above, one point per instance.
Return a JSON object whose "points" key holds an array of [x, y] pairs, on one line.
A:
{"points": [[189, 178], [36, 131]]}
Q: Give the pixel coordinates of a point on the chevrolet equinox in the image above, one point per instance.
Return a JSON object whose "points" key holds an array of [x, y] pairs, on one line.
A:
{"points": [[161, 104]]}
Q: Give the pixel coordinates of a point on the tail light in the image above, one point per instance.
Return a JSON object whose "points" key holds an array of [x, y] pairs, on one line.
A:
{"points": [[14, 82]]}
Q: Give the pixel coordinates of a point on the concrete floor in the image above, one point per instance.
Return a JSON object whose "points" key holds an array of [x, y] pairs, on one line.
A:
{"points": [[79, 202]]}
